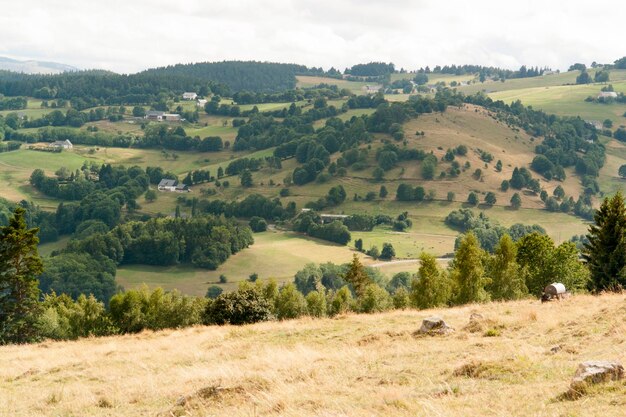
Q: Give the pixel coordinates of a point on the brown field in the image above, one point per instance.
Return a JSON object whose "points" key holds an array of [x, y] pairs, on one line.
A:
{"points": [[355, 365]]}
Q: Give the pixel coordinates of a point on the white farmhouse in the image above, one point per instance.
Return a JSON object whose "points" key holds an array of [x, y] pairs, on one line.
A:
{"points": [[189, 96], [63, 144]]}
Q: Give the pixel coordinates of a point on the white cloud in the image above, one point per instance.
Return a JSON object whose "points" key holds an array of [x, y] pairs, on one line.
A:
{"points": [[131, 35]]}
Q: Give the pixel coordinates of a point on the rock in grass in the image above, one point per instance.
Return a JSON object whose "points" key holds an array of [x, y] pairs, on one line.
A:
{"points": [[596, 372], [434, 326]]}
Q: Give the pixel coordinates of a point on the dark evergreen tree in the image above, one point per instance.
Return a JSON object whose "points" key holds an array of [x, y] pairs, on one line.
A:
{"points": [[20, 265], [605, 253]]}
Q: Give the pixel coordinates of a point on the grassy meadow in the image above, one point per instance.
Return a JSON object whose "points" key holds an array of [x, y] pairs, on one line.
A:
{"points": [[274, 254], [516, 361]]}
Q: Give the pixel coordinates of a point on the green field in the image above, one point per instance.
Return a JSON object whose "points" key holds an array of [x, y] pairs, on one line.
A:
{"points": [[356, 87], [274, 254], [568, 100]]}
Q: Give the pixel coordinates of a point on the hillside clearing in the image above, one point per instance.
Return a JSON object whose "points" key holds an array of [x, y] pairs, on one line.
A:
{"points": [[355, 365]]}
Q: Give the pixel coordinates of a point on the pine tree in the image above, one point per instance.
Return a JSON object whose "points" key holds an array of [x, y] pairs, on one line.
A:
{"points": [[432, 288], [516, 201], [188, 181], [605, 253], [246, 179], [20, 265], [468, 272], [357, 276], [507, 278]]}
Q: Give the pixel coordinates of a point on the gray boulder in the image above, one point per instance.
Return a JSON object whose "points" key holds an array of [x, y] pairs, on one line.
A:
{"points": [[596, 372], [434, 326]]}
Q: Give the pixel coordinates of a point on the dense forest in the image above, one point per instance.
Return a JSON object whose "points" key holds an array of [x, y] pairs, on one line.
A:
{"points": [[239, 75]]}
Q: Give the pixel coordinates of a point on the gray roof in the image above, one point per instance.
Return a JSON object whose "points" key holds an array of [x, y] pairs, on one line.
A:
{"points": [[167, 183], [154, 113]]}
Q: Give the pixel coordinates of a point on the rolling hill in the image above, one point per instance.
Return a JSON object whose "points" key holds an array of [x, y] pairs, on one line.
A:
{"points": [[34, 67]]}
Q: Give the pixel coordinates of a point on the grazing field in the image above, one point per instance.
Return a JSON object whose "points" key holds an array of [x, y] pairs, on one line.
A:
{"points": [[274, 254], [568, 100], [354, 365], [356, 87]]}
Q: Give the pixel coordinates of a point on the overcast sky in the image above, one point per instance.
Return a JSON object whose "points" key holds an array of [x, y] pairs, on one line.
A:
{"points": [[131, 35]]}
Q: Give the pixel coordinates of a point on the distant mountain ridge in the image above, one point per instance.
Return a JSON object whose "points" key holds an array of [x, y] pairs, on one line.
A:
{"points": [[33, 66]]}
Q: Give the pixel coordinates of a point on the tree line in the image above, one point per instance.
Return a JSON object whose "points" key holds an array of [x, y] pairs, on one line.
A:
{"points": [[514, 270]]}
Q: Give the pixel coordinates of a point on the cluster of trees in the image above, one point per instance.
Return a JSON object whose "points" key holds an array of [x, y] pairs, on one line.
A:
{"points": [[310, 222], [371, 69], [487, 232], [128, 182], [9, 146], [252, 205], [239, 75], [493, 72], [99, 88], [568, 141], [13, 103], [406, 192]]}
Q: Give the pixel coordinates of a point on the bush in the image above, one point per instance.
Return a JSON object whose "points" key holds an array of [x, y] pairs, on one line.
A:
{"points": [[136, 310], [244, 306], [290, 303], [472, 198], [214, 291], [401, 298], [388, 252], [316, 304], [258, 224], [342, 301], [375, 300]]}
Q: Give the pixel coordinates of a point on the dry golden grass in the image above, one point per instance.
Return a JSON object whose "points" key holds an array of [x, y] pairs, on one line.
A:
{"points": [[356, 365]]}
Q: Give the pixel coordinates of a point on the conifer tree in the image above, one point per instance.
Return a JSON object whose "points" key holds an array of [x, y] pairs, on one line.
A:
{"points": [[468, 272], [507, 278], [432, 288], [605, 253], [357, 276], [20, 265]]}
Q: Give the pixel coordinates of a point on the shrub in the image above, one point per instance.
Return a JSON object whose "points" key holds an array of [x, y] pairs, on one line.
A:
{"points": [[214, 291], [290, 303], [258, 224], [401, 298], [374, 300], [342, 301], [246, 305], [316, 304], [388, 251]]}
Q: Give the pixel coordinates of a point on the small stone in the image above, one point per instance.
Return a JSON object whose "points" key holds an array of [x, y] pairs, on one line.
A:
{"points": [[434, 326], [596, 372]]}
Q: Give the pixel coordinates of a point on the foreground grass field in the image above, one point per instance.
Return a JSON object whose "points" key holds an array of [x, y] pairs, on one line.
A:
{"points": [[355, 365]]}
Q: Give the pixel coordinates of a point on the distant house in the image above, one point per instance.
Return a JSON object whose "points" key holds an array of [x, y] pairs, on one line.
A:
{"points": [[371, 88], [172, 117], [154, 115], [63, 144], [190, 96], [607, 94], [329, 218], [548, 72], [160, 116], [201, 102], [172, 185]]}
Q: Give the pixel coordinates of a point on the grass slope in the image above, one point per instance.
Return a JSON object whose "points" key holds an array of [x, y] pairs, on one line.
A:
{"points": [[355, 365]]}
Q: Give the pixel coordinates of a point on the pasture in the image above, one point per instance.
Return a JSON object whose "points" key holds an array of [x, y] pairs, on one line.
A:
{"points": [[274, 254]]}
